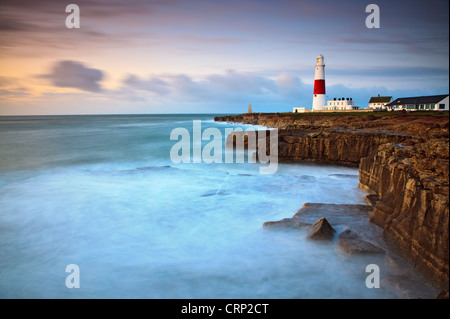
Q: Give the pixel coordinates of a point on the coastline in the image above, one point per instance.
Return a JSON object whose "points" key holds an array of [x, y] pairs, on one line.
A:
{"points": [[403, 164]]}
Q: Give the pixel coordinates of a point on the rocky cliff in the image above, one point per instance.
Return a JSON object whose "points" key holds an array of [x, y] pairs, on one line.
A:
{"points": [[344, 147], [413, 207], [325, 145], [403, 162]]}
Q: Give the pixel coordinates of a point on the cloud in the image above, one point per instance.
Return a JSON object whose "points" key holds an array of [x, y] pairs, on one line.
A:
{"points": [[241, 83], [289, 84], [14, 93], [5, 81], [233, 91], [184, 85], [403, 72], [229, 90], [154, 85], [231, 83], [213, 40], [73, 74], [9, 24]]}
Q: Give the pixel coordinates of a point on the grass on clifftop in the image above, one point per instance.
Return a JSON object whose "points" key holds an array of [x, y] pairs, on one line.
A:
{"points": [[376, 114]]}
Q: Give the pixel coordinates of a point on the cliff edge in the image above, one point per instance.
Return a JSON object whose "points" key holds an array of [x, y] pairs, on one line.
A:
{"points": [[403, 162]]}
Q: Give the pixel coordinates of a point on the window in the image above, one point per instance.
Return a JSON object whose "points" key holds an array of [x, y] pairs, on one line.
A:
{"points": [[441, 106]]}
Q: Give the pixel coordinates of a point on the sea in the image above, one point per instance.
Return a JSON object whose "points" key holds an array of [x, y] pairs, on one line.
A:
{"points": [[93, 206]]}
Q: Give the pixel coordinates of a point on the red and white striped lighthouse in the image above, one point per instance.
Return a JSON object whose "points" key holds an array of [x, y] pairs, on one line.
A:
{"points": [[319, 99]]}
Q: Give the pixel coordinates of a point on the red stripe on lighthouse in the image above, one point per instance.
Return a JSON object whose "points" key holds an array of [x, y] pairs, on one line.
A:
{"points": [[319, 86]]}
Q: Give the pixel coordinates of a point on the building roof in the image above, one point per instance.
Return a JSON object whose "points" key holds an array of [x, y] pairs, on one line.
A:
{"points": [[380, 99], [431, 99]]}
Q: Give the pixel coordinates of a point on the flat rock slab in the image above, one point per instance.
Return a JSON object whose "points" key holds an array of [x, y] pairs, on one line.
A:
{"points": [[334, 213], [339, 216], [286, 223], [352, 243]]}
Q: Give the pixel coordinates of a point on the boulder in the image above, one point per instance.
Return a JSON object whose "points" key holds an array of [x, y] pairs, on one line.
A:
{"points": [[351, 243], [321, 230]]}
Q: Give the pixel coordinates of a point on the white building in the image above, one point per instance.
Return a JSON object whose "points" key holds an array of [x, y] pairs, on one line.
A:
{"points": [[379, 102], [299, 110], [341, 104], [417, 103]]}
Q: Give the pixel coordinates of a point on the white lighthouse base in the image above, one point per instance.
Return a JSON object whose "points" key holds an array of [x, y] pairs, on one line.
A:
{"points": [[319, 102]]}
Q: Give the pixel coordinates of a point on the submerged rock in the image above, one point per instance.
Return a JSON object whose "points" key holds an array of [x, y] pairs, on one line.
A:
{"points": [[321, 230], [214, 192], [285, 223], [351, 243]]}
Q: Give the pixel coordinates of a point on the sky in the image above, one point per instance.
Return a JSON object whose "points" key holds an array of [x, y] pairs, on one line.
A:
{"points": [[210, 56]]}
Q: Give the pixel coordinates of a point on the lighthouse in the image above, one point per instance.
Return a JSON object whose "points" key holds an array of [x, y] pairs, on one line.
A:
{"points": [[319, 99]]}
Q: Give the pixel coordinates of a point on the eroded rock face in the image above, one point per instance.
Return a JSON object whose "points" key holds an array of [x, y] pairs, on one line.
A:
{"points": [[342, 147], [320, 139], [413, 207]]}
